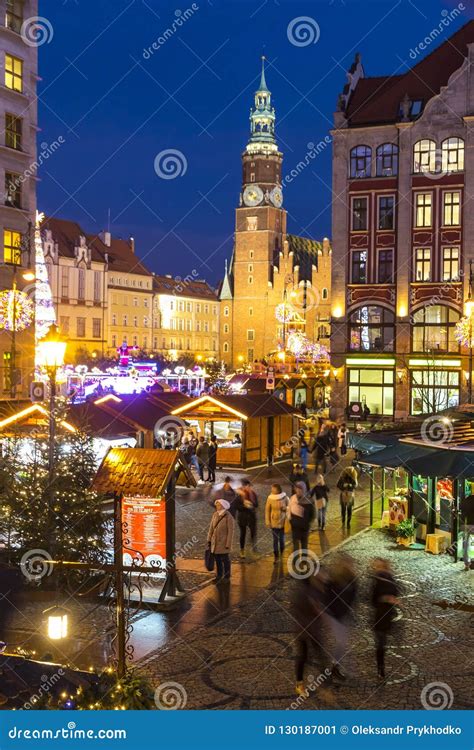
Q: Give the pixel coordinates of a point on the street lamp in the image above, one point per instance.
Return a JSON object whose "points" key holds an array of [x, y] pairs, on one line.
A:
{"points": [[57, 622]]}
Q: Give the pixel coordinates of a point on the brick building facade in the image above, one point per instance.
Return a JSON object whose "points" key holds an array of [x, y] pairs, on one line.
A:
{"points": [[403, 234]]}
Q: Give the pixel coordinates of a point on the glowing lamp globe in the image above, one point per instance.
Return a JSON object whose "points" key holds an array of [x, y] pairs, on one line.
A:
{"points": [[51, 349], [57, 623]]}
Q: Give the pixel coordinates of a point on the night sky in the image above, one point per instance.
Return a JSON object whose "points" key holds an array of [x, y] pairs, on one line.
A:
{"points": [[118, 108]]}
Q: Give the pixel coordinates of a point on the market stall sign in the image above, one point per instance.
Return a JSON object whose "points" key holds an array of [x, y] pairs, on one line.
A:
{"points": [[144, 531]]}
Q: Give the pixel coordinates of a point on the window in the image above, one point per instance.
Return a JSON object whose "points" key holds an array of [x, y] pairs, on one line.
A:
{"points": [[323, 332], [385, 267], [64, 324], [359, 267], [372, 329], [423, 264], [361, 158], [452, 155], [135, 321], [433, 329], [13, 73], [386, 212], [250, 312], [451, 209], [135, 341], [450, 263], [250, 280], [114, 341], [198, 307], [96, 328], [424, 157], [252, 176], [250, 268], [114, 319], [226, 311], [12, 189], [423, 206], [13, 131], [226, 347], [373, 387], [14, 15], [249, 355], [145, 343], [198, 326], [81, 284], [97, 285], [226, 328], [206, 309], [64, 283], [387, 160], [433, 390], [189, 307], [12, 246], [251, 254], [188, 325], [325, 293], [206, 326], [181, 306], [250, 334], [145, 322], [135, 301], [125, 320], [81, 327], [359, 214]]}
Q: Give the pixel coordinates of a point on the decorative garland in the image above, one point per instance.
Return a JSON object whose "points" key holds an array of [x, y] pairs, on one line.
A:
{"points": [[463, 332]]}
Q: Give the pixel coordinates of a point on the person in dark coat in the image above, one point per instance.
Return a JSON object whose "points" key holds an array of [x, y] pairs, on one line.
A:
{"points": [[246, 506], [320, 448], [298, 474], [466, 517], [212, 459], [307, 609], [301, 514], [340, 595], [384, 597], [202, 453]]}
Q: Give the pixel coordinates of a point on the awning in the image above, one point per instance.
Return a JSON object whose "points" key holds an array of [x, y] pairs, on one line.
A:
{"points": [[368, 442], [396, 456], [443, 463]]}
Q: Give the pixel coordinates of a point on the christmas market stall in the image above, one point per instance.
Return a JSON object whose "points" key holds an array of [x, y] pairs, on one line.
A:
{"points": [[251, 429]]}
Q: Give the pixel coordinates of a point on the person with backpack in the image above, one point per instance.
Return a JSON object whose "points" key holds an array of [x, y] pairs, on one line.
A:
{"points": [[246, 505], [301, 514], [320, 494], [347, 484], [275, 516], [219, 539]]}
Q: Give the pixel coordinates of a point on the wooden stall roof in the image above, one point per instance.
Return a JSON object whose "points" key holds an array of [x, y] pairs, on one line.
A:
{"points": [[242, 405], [139, 471]]}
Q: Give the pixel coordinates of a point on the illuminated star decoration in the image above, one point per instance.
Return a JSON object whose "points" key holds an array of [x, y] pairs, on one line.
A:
{"points": [[463, 332], [284, 313], [16, 310]]}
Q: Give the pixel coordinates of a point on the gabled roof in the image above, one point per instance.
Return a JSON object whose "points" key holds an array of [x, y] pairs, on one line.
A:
{"points": [[183, 288], [139, 472], [242, 405], [66, 233], [377, 100]]}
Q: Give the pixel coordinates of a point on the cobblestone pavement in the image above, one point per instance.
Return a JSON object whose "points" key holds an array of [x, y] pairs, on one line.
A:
{"points": [[244, 659]]}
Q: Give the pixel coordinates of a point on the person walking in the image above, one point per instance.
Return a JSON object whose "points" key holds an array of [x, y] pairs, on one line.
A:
{"points": [[301, 514], [304, 449], [212, 459], [226, 492], [193, 442], [219, 538], [347, 483], [466, 516], [384, 597], [298, 474], [320, 494], [320, 448], [202, 453], [246, 505], [342, 439], [307, 607], [276, 509], [341, 592]]}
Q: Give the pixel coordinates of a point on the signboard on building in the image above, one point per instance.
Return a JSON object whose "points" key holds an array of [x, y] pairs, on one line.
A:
{"points": [[144, 531]]}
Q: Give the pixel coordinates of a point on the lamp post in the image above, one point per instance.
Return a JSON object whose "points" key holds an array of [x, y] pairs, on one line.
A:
{"points": [[51, 351], [27, 275], [469, 310]]}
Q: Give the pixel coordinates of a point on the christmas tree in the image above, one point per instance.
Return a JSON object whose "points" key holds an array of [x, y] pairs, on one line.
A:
{"points": [[218, 379]]}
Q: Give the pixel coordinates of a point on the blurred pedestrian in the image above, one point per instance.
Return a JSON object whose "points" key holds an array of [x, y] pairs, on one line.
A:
{"points": [[384, 597], [304, 449], [466, 515], [301, 515], [212, 459], [298, 474], [276, 509], [320, 493], [219, 538], [341, 592], [347, 484], [226, 492], [307, 605], [246, 505], [320, 449], [202, 453], [342, 439]]}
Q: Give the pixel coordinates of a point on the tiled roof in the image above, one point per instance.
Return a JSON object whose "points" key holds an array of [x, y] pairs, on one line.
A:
{"points": [[305, 254], [66, 234], [137, 471], [377, 100], [121, 256], [248, 404], [183, 288], [98, 422]]}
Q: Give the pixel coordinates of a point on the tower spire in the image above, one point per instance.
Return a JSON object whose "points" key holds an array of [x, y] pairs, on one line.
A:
{"points": [[262, 120], [263, 83]]}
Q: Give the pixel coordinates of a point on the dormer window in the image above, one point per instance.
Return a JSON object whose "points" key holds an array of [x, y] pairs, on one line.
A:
{"points": [[360, 162]]}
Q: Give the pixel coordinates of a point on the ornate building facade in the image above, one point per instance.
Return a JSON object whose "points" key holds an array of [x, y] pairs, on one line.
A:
{"points": [[270, 269], [403, 233]]}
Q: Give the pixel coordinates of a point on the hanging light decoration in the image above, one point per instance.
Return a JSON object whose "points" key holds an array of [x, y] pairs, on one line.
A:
{"points": [[463, 332], [297, 343], [16, 310], [284, 312]]}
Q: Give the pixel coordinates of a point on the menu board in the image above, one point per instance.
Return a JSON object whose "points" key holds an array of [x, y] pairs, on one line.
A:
{"points": [[144, 521], [398, 509]]}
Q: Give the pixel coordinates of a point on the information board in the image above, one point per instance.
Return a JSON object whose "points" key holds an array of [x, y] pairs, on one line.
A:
{"points": [[144, 521]]}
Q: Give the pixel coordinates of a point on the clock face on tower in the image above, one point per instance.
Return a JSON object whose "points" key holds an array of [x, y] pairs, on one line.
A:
{"points": [[276, 197], [253, 195]]}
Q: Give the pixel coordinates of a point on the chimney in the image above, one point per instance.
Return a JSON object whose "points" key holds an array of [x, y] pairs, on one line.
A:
{"points": [[132, 244], [106, 238]]}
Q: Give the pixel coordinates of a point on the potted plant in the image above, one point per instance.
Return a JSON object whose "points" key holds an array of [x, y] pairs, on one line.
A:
{"points": [[405, 532]]}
